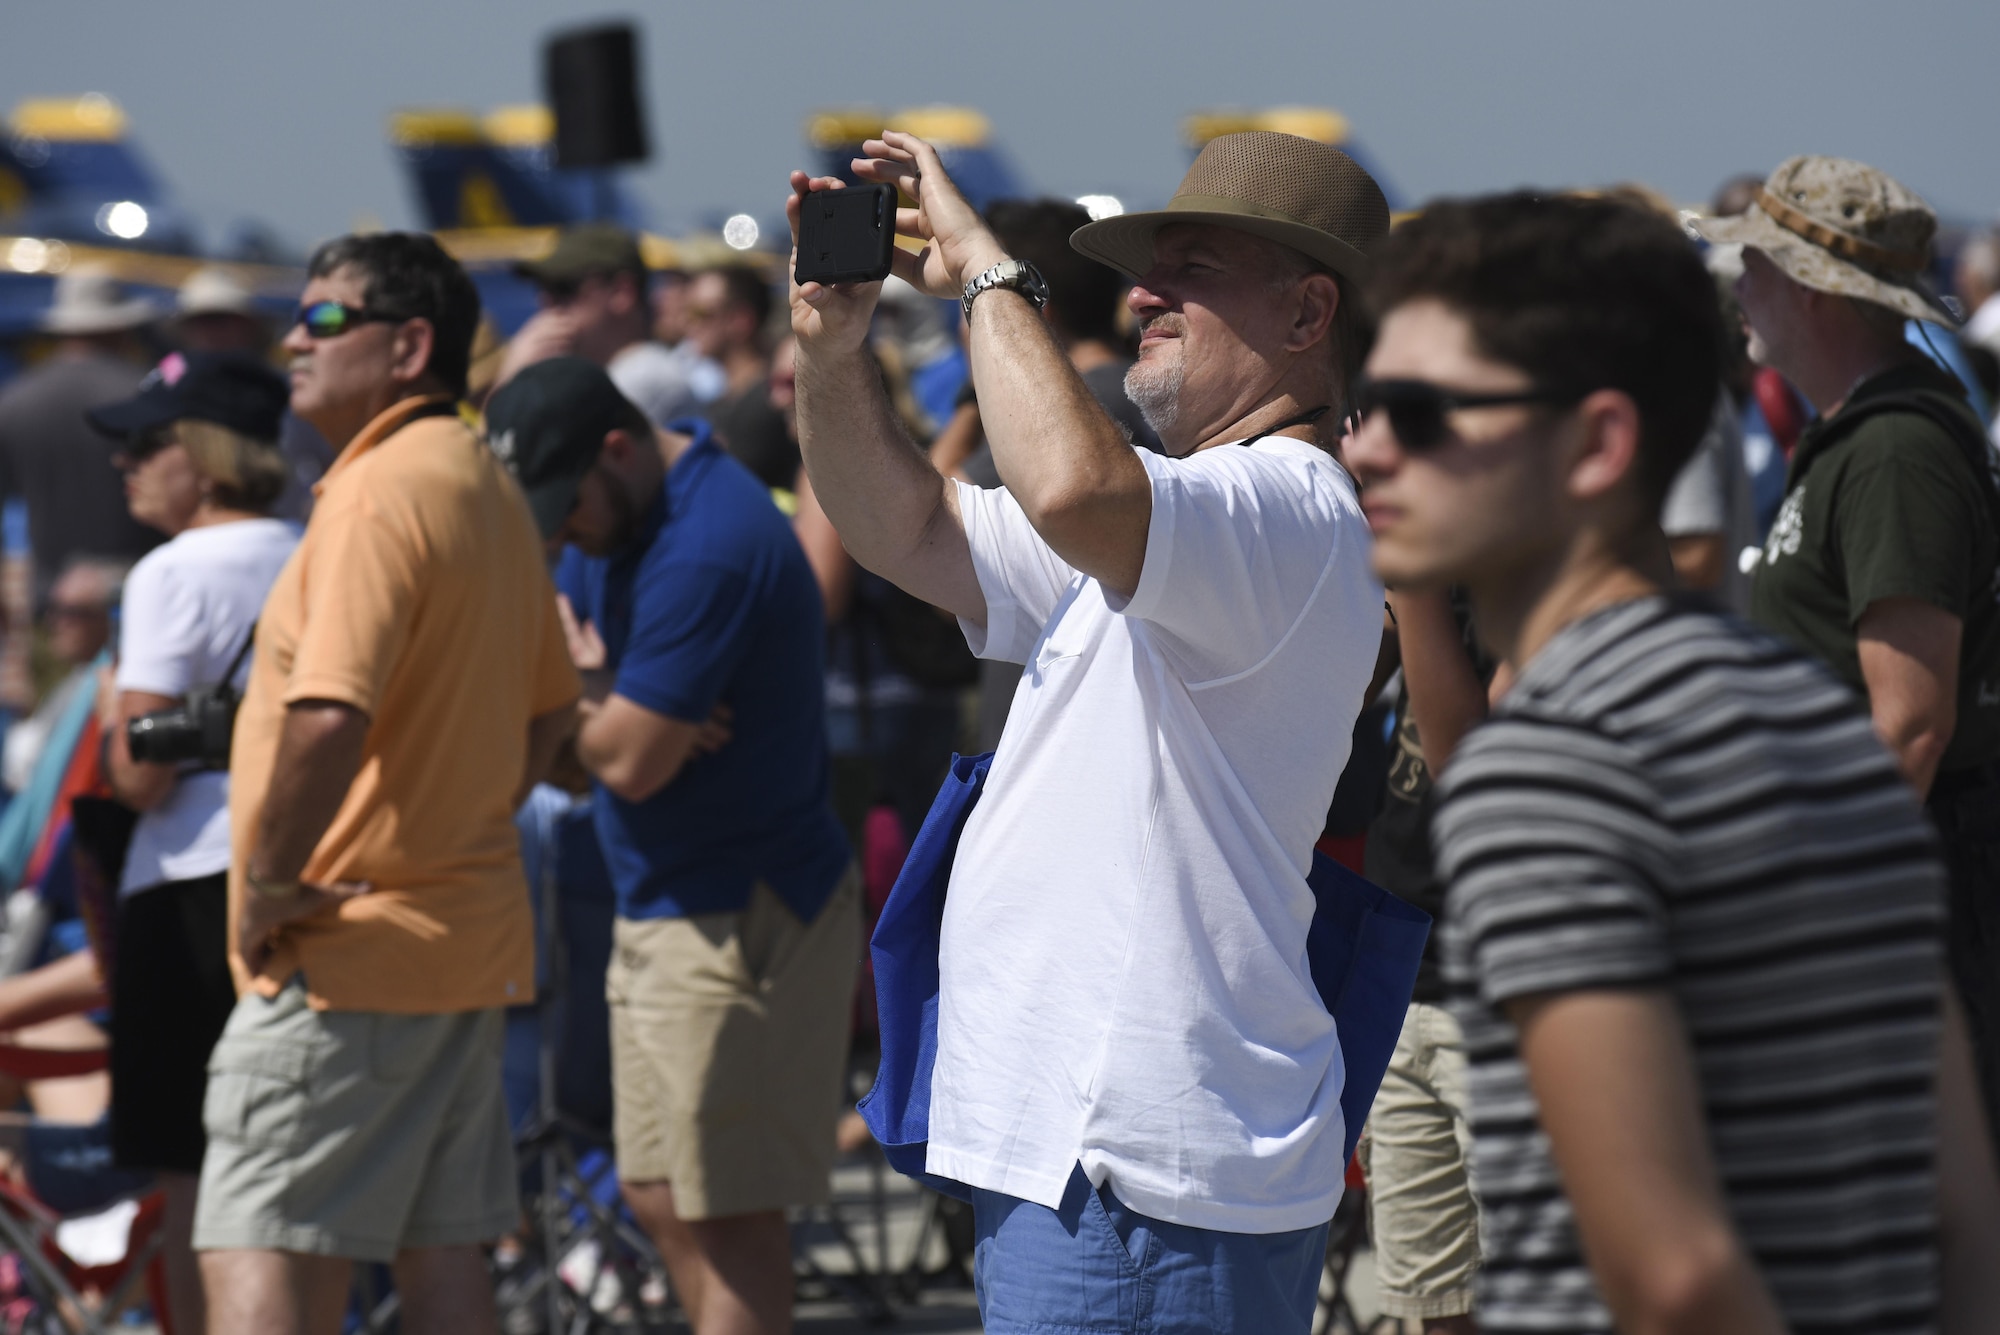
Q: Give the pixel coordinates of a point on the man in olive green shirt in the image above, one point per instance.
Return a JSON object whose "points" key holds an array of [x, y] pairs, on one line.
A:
{"points": [[1885, 504], [1885, 558]]}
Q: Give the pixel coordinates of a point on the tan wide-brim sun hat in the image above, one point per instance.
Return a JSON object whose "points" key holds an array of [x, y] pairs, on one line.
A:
{"points": [[211, 290], [1298, 192], [91, 300], [1842, 227]]}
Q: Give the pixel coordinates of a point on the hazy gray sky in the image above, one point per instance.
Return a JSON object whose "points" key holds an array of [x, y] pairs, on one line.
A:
{"points": [[277, 110]]}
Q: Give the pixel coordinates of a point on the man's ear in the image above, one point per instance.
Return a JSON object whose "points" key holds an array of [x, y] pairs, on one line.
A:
{"points": [[619, 447], [410, 351], [1319, 300], [1605, 444]]}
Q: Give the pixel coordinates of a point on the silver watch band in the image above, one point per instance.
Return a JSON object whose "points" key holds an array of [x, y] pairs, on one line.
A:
{"points": [[1019, 275]]}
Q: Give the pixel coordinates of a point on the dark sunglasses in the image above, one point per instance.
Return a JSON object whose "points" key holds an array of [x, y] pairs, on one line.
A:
{"points": [[137, 449], [1417, 409], [331, 319]]}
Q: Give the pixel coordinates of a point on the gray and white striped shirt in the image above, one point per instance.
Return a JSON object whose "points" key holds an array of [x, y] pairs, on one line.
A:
{"points": [[1671, 799]]}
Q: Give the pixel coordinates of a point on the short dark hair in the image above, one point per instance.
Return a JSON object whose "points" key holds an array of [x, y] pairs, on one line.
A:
{"points": [[1582, 294], [744, 286], [1083, 294], [409, 275]]}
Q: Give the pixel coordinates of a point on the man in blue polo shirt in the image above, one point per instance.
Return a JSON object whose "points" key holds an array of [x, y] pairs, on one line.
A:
{"points": [[697, 624]]}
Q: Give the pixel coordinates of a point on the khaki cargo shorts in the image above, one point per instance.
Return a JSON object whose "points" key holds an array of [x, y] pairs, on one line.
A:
{"points": [[353, 1133], [729, 1036], [1417, 1153]]}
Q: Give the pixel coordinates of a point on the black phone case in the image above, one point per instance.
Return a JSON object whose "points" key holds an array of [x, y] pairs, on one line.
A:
{"points": [[846, 236]]}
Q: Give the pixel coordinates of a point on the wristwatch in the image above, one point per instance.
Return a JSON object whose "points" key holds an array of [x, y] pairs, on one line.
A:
{"points": [[1020, 275]]}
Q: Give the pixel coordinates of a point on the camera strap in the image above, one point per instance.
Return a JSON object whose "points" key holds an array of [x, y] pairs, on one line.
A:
{"points": [[228, 681]]}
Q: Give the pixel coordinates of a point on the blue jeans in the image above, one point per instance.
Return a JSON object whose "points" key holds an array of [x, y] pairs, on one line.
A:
{"points": [[1096, 1266]]}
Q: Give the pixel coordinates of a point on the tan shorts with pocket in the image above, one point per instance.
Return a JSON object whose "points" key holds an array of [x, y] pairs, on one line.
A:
{"points": [[1417, 1154], [354, 1133], [729, 1035]]}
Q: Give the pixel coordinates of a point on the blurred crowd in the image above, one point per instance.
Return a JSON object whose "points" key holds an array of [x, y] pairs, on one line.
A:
{"points": [[711, 734]]}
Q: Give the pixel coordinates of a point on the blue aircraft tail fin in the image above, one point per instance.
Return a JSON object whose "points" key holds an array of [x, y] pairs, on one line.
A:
{"points": [[69, 170], [499, 171], [962, 136]]}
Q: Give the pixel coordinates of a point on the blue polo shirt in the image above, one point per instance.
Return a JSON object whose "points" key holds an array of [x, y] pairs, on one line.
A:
{"points": [[713, 603]]}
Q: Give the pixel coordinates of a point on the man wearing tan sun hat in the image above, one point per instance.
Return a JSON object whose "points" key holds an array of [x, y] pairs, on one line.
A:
{"points": [[1885, 558], [1135, 1075]]}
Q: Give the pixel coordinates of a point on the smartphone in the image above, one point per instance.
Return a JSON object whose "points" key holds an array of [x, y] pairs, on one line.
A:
{"points": [[846, 236]]}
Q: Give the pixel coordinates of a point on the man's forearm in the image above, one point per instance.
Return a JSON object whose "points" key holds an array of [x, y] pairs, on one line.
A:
{"points": [[319, 753], [69, 986], [1068, 464], [1908, 651], [1446, 697]]}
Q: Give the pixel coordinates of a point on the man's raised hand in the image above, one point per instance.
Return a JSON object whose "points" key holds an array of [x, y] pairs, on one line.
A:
{"points": [[823, 315], [957, 245]]}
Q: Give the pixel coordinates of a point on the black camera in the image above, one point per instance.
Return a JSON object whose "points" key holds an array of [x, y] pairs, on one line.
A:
{"points": [[846, 236], [197, 729]]}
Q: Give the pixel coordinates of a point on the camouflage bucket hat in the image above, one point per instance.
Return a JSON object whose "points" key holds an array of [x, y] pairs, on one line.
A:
{"points": [[1842, 227]]}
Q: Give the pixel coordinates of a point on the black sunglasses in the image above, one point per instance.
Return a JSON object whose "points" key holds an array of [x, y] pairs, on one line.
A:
{"points": [[331, 319], [135, 450], [1417, 409]]}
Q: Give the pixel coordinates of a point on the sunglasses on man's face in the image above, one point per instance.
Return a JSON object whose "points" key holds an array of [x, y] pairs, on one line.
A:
{"points": [[1418, 409], [331, 319]]}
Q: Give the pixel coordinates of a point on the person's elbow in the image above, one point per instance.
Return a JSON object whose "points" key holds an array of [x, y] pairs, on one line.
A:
{"points": [[1096, 522], [1082, 494], [326, 722], [1689, 1285], [635, 778], [143, 786], [1699, 559], [1919, 738]]}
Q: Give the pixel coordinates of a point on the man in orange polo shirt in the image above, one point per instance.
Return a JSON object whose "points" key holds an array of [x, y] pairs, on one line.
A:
{"points": [[410, 682]]}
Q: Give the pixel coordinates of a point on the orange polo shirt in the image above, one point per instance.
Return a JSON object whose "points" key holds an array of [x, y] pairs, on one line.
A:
{"points": [[419, 595]]}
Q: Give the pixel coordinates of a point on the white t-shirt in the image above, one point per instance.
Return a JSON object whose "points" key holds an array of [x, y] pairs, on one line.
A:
{"points": [[189, 604], [1984, 325], [1711, 494], [1124, 959]]}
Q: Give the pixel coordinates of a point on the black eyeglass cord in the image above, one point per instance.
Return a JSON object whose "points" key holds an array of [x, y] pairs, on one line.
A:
{"points": [[1305, 418]]}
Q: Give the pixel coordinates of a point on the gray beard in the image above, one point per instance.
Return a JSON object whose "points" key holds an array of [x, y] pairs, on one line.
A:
{"points": [[1156, 393]]}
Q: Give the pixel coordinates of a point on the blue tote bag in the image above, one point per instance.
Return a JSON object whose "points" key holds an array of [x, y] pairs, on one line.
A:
{"points": [[1363, 948]]}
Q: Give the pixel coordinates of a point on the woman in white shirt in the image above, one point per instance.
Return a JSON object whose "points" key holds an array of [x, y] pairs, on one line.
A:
{"points": [[201, 464]]}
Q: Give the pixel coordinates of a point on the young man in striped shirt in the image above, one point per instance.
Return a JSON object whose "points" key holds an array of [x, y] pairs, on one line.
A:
{"points": [[1693, 911]]}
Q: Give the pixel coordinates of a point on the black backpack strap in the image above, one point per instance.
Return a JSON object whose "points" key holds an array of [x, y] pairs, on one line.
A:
{"points": [[1956, 423]]}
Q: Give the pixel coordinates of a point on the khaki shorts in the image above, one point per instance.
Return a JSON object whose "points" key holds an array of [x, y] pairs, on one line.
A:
{"points": [[729, 1035], [1417, 1152], [352, 1133]]}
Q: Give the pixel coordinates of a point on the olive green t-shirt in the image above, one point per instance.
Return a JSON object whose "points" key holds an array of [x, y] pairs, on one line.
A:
{"points": [[1889, 506]]}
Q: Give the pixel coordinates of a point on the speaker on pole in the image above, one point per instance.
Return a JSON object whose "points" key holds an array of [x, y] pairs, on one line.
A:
{"points": [[591, 76]]}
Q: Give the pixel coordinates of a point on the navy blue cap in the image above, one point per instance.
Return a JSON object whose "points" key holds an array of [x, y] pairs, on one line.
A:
{"points": [[548, 425]]}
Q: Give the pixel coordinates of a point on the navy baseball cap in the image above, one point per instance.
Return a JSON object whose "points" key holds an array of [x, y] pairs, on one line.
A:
{"points": [[231, 389], [548, 425]]}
